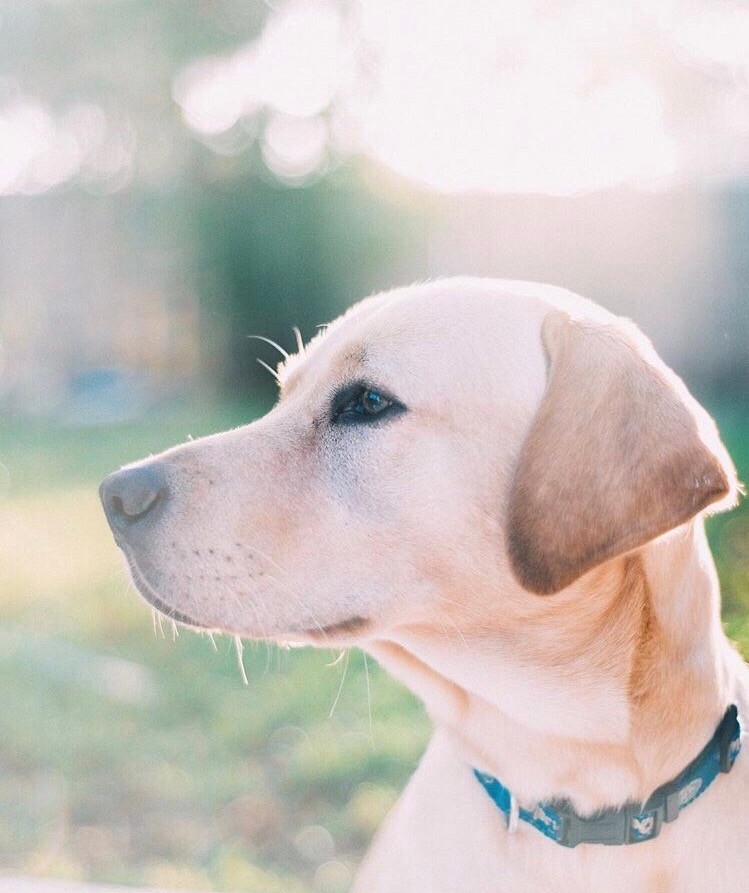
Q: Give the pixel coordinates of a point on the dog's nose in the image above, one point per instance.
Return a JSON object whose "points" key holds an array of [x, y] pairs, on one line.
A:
{"points": [[129, 495]]}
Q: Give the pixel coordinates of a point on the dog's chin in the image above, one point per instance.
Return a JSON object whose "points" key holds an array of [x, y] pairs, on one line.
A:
{"points": [[149, 595], [340, 632]]}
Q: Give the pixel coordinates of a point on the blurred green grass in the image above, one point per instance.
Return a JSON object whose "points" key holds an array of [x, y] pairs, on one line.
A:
{"points": [[128, 756]]}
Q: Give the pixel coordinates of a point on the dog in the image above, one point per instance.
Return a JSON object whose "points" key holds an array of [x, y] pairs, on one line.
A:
{"points": [[496, 489]]}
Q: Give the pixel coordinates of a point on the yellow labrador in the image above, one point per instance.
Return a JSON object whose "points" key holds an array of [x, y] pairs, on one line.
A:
{"points": [[496, 488]]}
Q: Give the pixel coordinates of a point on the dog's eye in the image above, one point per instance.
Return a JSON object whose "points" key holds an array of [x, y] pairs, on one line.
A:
{"points": [[363, 404], [372, 402]]}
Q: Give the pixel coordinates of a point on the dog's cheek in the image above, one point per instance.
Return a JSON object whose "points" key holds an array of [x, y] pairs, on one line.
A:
{"points": [[361, 472]]}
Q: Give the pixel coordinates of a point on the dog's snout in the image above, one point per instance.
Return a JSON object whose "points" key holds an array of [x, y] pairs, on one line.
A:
{"points": [[130, 495]]}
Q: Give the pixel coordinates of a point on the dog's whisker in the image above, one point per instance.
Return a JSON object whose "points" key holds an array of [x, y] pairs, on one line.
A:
{"points": [[269, 368], [284, 353], [240, 652], [445, 632], [459, 631], [369, 700], [266, 557], [299, 340], [343, 680], [255, 605], [283, 586], [340, 657], [469, 609], [305, 610]]}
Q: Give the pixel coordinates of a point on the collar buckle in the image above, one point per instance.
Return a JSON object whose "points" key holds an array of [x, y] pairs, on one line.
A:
{"points": [[614, 827], [610, 827], [671, 804]]}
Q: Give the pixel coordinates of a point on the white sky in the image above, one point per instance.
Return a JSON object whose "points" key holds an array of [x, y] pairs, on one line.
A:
{"points": [[552, 96], [496, 95]]}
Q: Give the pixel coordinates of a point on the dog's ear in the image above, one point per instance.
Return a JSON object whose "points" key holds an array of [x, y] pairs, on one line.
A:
{"points": [[619, 453]]}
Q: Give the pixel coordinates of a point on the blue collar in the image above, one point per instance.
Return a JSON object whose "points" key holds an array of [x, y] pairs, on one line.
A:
{"points": [[634, 822]]}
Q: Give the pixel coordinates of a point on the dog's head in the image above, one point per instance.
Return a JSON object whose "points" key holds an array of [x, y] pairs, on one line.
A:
{"points": [[465, 436]]}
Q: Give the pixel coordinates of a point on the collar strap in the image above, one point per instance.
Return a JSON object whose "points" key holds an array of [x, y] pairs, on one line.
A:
{"points": [[633, 822]]}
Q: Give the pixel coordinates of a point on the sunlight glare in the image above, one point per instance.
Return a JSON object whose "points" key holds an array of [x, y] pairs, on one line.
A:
{"points": [[294, 148]]}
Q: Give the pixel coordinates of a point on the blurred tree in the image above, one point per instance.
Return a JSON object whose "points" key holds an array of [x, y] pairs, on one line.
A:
{"points": [[263, 256], [274, 257], [119, 58]]}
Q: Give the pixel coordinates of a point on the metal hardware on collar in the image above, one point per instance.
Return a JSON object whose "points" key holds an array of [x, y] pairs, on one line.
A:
{"points": [[632, 823]]}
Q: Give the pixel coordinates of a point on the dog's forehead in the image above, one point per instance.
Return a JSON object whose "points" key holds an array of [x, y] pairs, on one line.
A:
{"points": [[349, 346], [424, 336]]}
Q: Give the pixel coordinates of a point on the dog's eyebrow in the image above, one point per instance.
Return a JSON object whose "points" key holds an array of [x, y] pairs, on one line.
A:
{"points": [[348, 363]]}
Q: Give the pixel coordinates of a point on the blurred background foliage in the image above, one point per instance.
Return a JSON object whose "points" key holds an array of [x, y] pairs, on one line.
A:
{"points": [[176, 175]]}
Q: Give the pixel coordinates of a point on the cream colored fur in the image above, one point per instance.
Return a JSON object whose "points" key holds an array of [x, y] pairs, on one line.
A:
{"points": [[545, 449]]}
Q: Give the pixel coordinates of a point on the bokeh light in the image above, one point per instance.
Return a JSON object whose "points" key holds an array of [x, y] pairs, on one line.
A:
{"points": [[509, 97]]}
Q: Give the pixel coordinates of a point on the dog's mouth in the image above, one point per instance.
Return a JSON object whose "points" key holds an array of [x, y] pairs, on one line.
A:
{"points": [[349, 627], [318, 634]]}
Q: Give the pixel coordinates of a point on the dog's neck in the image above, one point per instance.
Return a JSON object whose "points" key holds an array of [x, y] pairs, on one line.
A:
{"points": [[605, 692]]}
